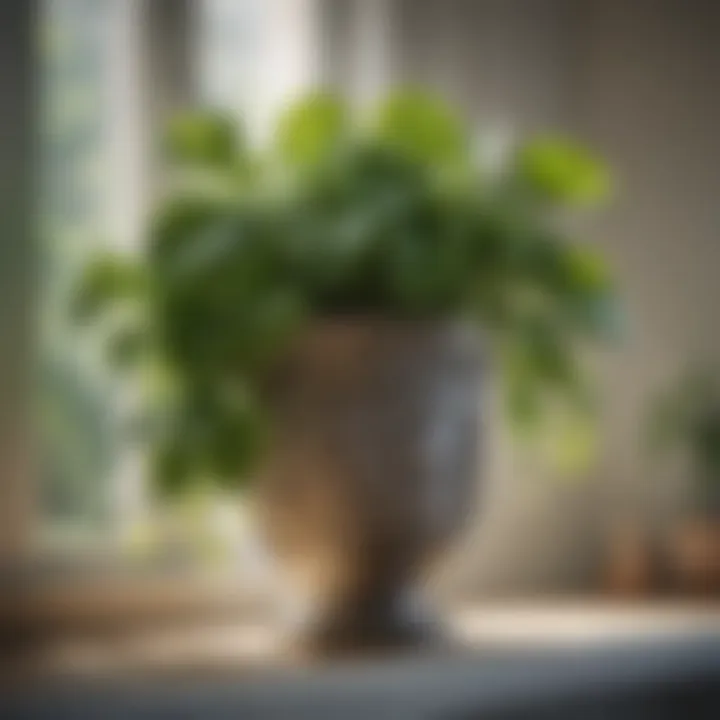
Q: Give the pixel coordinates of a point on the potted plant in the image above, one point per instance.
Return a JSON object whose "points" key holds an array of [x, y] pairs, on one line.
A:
{"points": [[318, 315], [685, 422]]}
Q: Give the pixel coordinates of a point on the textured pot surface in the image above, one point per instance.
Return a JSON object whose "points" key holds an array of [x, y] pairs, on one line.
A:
{"points": [[373, 470]]}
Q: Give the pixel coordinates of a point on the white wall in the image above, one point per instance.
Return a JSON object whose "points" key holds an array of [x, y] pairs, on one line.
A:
{"points": [[639, 80], [648, 97]]}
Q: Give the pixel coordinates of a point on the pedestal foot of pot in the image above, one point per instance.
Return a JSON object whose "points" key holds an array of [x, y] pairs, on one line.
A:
{"points": [[378, 626]]}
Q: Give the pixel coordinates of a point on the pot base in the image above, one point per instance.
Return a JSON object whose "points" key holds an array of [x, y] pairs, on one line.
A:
{"points": [[375, 625]]}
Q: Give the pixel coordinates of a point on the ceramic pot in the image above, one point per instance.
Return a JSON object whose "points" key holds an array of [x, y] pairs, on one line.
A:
{"points": [[373, 471]]}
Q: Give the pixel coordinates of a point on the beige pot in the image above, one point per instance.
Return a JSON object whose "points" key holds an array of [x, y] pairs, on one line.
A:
{"points": [[373, 471]]}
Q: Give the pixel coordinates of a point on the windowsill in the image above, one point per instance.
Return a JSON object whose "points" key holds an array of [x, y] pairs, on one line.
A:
{"points": [[523, 660], [212, 629], [42, 620]]}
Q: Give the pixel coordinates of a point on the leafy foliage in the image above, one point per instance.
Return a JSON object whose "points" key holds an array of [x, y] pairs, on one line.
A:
{"points": [[203, 139], [422, 128], [311, 129], [389, 218], [686, 418], [563, 170]]}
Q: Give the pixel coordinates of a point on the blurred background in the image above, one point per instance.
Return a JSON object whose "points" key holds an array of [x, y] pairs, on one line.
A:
{"points": [[86, 86]]}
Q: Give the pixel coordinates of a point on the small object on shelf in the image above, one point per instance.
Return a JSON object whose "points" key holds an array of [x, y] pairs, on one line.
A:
{"points": [[694, 555], [629, 567]]}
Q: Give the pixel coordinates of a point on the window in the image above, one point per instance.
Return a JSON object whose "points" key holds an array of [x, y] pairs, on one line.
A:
{"points": [[103, 64], [77, 433], [253, 54]]}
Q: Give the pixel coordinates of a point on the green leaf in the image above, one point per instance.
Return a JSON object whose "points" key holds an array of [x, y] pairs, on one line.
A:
{"points": [[172, 468], [422, 127], [106, 280], [586, 269], [600, 317], [591, 301], [572, 444], [238, 440], [127, 346], [178, 223], [311, 129], [687, 416], [523, 402], [203, 138], [563, 171]]}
